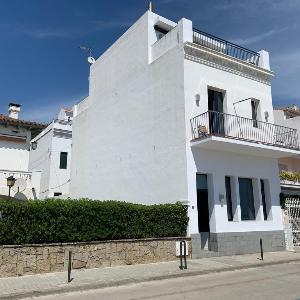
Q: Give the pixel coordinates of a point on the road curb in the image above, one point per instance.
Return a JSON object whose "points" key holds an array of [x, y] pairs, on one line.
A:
{"points": [[97, 285]]}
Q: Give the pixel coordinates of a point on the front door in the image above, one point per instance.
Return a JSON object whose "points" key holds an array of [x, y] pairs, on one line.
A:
{"points": [[202, 203], [216, 117]]}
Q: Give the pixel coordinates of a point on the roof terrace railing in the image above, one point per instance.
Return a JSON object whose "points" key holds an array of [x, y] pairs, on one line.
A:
{"points": [[227, 48], [212, 123]]}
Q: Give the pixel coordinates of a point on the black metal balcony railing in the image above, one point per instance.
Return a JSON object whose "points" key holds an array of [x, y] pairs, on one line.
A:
{"points": [[228, 48], [234, 127]]}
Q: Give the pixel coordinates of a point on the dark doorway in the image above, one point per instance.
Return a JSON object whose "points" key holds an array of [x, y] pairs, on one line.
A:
{"points": [[216, 117], [202, 203]]}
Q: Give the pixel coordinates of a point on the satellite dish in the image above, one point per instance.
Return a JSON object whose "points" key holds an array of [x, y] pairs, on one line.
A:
{"points": [[91, 60], [20, 185], [20, 196]]}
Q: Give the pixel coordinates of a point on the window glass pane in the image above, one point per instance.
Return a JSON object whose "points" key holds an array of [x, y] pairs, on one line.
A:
{"points": [[63, 160], [263, 199], [246, 199], [201, 181], [228, 198]]}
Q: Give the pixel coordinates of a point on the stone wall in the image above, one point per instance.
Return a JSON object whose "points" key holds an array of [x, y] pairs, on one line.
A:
{"points": [[43, 258]]}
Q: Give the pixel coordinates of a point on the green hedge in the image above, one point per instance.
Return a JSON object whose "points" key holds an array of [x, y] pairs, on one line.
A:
{"points": [[54, 221]]}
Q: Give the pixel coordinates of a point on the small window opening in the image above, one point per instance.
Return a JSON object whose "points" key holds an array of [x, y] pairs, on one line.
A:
{"points": [[63, 160]]}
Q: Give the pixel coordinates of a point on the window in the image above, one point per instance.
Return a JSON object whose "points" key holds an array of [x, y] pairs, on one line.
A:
{"points": [[246, 199], [63, 160], [160, 32], [228, 198], [263, 198], [254, 106], [56, 194]]}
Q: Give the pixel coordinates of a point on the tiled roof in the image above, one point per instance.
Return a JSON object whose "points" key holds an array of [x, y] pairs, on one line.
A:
{"points": [[17, 122]]}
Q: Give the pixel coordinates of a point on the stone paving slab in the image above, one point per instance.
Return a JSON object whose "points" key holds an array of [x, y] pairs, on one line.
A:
{"points": [[43, 284]]}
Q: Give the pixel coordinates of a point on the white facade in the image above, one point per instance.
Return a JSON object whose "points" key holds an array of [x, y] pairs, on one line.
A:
{"points": [[14, 145], [15, 136], [289, 117], [134, 141], [47, 157]]}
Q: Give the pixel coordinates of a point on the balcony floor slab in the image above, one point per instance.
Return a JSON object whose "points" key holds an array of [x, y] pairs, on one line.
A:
{"points": [[243, 147]]}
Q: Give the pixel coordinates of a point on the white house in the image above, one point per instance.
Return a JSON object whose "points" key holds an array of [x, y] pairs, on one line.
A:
{"points": [[51, 154], [15, 136], [289, 166], [176, 114]]}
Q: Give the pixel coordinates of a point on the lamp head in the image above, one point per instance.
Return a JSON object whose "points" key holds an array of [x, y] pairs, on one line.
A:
{"points": [[10, 181]]}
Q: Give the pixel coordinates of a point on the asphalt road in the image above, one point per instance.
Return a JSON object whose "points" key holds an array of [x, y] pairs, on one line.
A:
{"points": [[270, 282]]}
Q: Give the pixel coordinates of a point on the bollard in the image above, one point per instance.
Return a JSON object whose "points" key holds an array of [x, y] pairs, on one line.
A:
{"points": [[261, 249], [183, 263], [69, 266]]}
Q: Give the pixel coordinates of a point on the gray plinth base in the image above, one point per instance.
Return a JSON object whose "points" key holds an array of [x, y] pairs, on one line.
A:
{"points": [[230, 243]]}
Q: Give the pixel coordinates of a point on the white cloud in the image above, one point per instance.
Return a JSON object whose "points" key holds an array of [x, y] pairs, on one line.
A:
{"points": [[42, 33], [252, 6], [259, 37]]}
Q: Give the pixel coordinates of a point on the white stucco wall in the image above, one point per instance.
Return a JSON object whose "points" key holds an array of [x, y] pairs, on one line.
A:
{"points": [[291, 164], [54, 139], [39, 159], [130, 143], [59, 180], [199, 77], [291, 122], [218, 164], [14, 155]]}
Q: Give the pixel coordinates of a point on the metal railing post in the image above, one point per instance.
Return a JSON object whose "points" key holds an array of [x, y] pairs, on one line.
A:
{"points": [[69, 266], [261, 250], [183, 262], [228, 48]]}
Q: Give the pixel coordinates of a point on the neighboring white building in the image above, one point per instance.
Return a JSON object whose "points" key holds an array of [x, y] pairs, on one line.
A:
{"points": [[289, 117], [175, 114], [51, 154], [15, 136]]}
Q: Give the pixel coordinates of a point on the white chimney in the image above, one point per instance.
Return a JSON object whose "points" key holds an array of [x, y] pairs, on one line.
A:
{"points": [[13, 110]]}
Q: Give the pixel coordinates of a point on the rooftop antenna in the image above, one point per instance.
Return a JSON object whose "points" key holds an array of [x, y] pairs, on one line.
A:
{"points": [[90, 59], [150, 6]]}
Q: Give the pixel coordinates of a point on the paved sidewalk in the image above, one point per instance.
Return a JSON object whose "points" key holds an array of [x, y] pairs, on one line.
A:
{"points": [[35, 285]]}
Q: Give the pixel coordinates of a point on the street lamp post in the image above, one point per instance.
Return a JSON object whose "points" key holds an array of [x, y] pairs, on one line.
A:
{"points": [[10, 183]]}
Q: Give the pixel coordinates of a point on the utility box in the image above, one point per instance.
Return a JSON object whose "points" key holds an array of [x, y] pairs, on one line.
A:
{"points": [[178, 248]]}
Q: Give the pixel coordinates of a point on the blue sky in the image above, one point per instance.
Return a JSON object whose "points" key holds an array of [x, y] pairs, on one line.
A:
{"points": [[42, 67]]}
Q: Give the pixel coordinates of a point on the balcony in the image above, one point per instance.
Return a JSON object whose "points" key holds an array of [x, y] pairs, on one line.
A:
{"points": [[217, 44], [215, 130]]}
